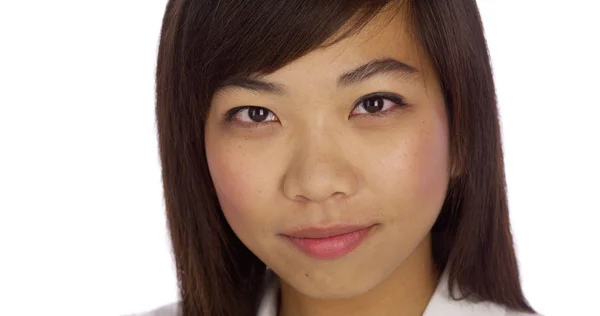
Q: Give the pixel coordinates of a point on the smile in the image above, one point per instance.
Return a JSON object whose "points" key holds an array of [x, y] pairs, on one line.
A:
{"points": [[329, 243]]}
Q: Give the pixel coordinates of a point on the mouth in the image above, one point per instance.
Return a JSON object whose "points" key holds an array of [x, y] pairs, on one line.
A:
{"points": [[329, 242]]}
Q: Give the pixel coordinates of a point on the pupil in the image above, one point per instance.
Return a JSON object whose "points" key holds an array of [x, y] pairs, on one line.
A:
{"points": [[374, 105], [257, 114]]}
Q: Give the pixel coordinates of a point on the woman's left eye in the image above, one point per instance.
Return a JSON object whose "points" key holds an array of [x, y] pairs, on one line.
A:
{"points": [[377, 104]]}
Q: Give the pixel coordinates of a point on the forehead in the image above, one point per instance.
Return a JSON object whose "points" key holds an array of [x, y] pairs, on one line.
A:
{"points": [[387, 35]]}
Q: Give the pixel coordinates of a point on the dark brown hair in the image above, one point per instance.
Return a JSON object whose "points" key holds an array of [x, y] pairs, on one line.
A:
{"points": [[204, 42]]}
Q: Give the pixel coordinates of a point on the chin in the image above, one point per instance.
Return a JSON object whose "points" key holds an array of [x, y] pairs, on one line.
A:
{"points": [[337, 282]]}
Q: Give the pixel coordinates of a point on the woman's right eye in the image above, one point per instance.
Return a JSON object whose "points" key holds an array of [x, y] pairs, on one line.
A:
{"points": [[251, 115]]}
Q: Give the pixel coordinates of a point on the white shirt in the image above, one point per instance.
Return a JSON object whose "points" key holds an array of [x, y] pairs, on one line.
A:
{"points": [[441, 304]]}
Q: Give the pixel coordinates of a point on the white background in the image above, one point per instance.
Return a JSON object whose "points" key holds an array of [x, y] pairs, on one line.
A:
{"points": [[82, 228]]}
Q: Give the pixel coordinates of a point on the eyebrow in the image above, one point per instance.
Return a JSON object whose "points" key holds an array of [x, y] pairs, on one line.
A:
{"points": [[355, 76]]}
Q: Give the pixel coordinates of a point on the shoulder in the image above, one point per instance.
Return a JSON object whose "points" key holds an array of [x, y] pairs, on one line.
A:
{"points": [[450, 307], [166, 310], [515, 313], [267, 306], [442, 303], [492, 308]]}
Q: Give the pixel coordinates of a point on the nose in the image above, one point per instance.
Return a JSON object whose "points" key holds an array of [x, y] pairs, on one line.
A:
{"points": [[320, 170]]}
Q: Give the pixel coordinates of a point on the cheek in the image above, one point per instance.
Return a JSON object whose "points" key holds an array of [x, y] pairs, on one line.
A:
{"points": [[238, 181], [430, 161], [416, 174]]}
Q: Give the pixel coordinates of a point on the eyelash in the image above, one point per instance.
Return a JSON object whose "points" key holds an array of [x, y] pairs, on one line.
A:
{"points": [[394, 98]]}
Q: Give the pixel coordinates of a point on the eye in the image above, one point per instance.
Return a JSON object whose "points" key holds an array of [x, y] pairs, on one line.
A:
{"points": [[251, 115], [378, 104]]}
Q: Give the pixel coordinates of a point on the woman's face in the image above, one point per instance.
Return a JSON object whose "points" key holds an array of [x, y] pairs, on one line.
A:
{"points": [[313, 160]]}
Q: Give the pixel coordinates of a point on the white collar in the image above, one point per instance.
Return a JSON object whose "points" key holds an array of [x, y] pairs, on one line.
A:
{"points": [[440, 304]]}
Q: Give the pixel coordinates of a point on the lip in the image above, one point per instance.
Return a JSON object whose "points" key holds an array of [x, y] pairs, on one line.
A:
{"points": [[329, 242]]}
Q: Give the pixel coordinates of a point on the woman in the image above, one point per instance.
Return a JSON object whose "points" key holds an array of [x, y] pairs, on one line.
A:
{"points": [[352, 147]]}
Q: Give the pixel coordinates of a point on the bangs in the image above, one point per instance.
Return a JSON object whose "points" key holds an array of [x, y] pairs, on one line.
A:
{"points": [[226, 39]]}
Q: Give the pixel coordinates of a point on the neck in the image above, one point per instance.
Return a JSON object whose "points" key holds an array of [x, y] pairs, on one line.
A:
{"points": [[406, 291]]}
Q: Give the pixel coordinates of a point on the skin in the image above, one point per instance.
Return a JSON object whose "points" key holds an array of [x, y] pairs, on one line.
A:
{"points": [[320, 159]]}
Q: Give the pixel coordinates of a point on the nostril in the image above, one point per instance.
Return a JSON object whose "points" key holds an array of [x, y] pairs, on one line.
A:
{"points": [[301, 198]]}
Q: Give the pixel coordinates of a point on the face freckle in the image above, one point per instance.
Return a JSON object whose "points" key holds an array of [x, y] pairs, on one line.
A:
{"points": [[318, 166]]}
